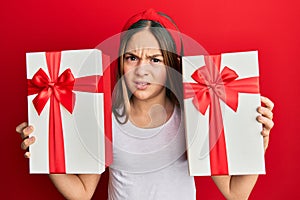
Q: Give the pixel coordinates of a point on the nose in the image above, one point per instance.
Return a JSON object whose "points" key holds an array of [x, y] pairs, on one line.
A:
{"points": [[142, 68]]}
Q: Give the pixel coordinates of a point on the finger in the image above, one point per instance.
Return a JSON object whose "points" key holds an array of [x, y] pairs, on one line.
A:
{"points": [[269, 104], [27, 154], [265, 112], [267, 123], [21, 126], [266, 142], [265, 132], [27, 142], [26, 132]]}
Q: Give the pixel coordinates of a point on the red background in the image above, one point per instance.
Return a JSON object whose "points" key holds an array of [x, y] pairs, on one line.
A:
{"points": [[272, 27]]}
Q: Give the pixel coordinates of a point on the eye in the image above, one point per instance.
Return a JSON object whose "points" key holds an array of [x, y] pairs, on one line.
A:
{"points": [[155, 60], [131, 58]]}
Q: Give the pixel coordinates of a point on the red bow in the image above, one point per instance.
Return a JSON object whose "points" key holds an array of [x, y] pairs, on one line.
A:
{"points": [[212, 86], [61, 88]]}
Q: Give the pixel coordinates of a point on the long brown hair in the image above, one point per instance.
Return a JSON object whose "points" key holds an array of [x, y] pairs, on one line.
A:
{"points": [[121, 94]]}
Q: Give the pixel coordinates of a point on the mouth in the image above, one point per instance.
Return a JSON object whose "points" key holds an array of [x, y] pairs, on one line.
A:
{"points": [[140, 85]]}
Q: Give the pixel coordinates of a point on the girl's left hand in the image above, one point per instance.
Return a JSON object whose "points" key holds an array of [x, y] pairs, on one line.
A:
{"points": [[266, 118]]}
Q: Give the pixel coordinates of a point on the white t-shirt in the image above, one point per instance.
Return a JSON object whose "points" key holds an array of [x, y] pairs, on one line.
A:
{"points": [[150, 163]]}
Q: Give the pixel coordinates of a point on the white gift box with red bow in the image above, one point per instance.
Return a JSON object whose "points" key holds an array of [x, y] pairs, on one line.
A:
{"points": [[69, 105], [221, 97]]}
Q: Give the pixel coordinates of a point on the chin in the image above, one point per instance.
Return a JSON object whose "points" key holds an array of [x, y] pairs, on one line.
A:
{"points": [[140, 96]]}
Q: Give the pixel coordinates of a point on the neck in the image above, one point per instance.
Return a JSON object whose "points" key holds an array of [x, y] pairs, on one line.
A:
{"points": [[151, 112], [144, 106]]}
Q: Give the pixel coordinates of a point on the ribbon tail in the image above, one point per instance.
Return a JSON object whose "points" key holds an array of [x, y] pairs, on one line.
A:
{"points": [[67, 98], [217, 145], [56, 140], [201, 101], [41, 99], [230, 98]]}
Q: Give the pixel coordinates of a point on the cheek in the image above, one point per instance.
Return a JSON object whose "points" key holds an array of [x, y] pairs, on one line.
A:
{"points": [[162, 75], [128, 71], [126, 68], [128, 77]]}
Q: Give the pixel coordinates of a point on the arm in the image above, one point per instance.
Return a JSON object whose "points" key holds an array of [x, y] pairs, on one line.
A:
{"points": [[235, 187], [74, 187], [240, 186], [71, 186]]}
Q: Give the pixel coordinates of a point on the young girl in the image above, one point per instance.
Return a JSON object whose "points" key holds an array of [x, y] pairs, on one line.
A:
{"points": [[148, 135]]}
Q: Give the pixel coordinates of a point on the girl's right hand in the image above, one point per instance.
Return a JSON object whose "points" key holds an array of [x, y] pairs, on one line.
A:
{"points": [[24, 130]]}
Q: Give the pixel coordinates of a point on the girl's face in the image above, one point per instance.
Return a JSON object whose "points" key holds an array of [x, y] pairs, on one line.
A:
{"points": [[144, 68]]}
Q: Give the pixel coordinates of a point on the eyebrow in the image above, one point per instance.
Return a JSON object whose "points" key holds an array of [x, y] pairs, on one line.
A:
{"points": [[155, 55], [150, 56]]}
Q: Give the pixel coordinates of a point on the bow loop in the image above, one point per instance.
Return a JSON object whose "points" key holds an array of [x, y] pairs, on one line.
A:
{"points": [[66, 79], [228, 75], [202, 76], [40, 79]]}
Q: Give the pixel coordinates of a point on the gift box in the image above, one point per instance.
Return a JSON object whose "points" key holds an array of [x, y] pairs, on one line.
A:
{"points": [[221, 97], [69, 105]]}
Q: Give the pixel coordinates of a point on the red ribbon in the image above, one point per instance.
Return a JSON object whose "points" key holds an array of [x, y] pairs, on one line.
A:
{"points": [[212, 86], [59, 89]]}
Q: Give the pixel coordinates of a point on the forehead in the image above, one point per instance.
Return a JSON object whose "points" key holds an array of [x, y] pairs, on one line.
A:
{"points": [[143, 41]]}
